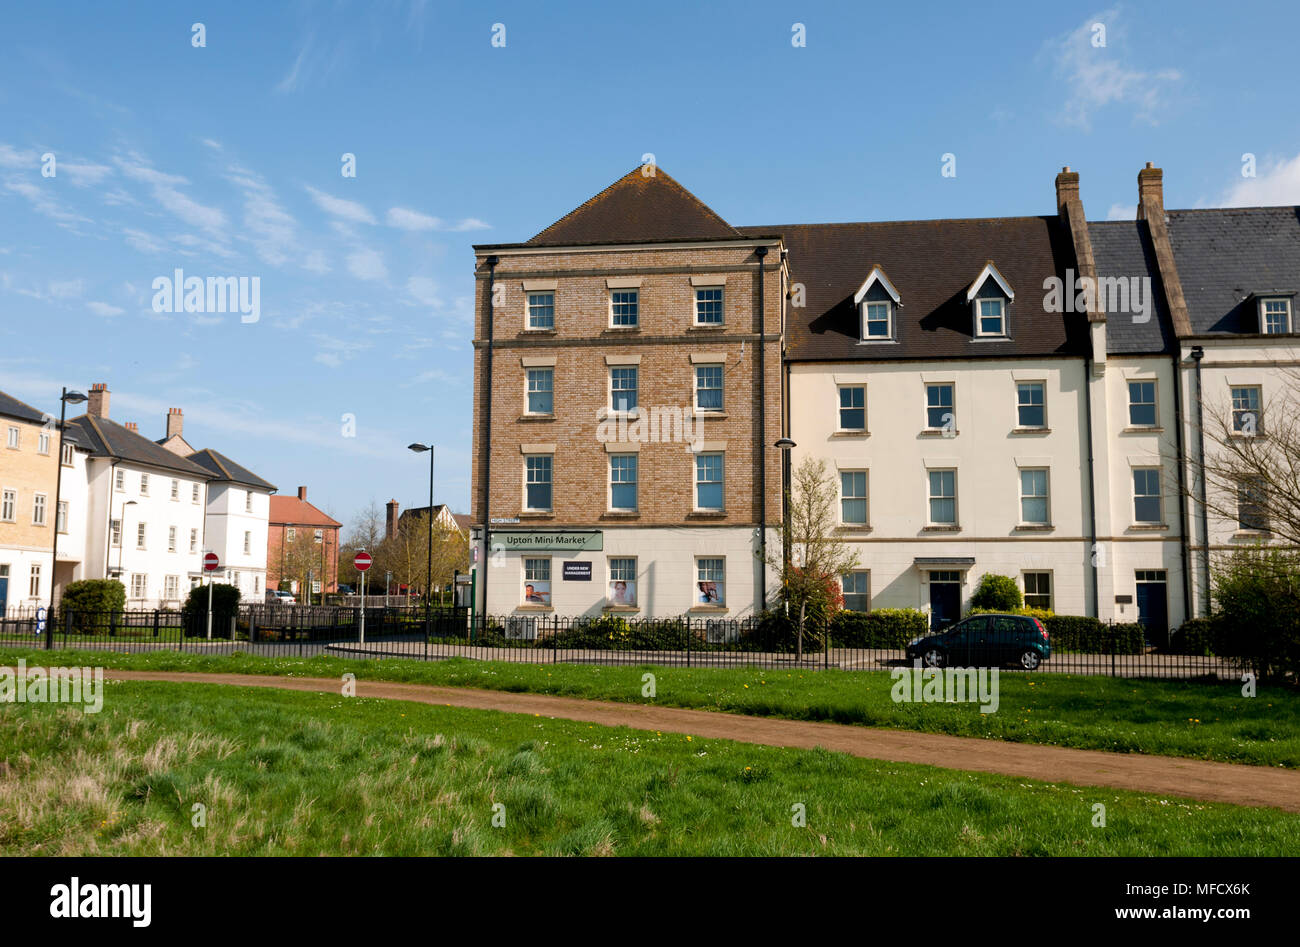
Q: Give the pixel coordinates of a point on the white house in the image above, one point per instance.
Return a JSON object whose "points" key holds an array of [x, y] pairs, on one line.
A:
{"points": [[236, 518]]}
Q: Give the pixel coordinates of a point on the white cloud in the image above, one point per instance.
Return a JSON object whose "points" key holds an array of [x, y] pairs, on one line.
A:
{"points": [[472, 223], [44, 204], [1277, 183], [83, 174], [338, 207], [424, 290], [1097, 77], [405, 219], [10, 157], [66, 289], [1122, 212], [104, 309], [315, 262], [166, 192], [367, 264], [271, 228], [144, 242]]}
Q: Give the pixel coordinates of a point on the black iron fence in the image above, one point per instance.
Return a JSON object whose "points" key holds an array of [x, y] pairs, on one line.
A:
{"points": [[377, 631]]}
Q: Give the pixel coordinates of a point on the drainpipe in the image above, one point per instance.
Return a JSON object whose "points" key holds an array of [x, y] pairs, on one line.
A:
{"points": [[761, 253], [1197, 354], [1092, 483], [1182, 483], [487, 437]]}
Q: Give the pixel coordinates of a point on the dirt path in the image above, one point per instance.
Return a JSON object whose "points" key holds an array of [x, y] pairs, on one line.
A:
{"points": [[1163, 775]]}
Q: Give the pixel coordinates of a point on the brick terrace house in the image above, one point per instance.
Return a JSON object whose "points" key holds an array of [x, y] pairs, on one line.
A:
{"points": [[626, 400], [294, 520]]}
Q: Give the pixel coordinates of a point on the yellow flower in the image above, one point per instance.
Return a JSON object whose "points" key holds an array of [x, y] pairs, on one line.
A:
{"points": [[688, 739]]}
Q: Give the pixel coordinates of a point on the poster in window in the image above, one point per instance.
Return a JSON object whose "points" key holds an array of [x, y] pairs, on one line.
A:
{"points": [[537, 593], [622, 592], [710, 593]]}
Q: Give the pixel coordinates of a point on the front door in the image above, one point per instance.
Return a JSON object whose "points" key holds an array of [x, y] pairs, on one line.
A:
{"points": [[945, 599], [1153, 604], [4, 590]]}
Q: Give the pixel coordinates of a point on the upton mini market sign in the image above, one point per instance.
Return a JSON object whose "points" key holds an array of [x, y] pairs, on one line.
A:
{"points": [[520, 541]]}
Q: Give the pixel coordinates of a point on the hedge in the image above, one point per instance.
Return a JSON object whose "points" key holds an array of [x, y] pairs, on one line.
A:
{"points": [[1199, 636], [882, 628], [89, 601], [1089, 635]]}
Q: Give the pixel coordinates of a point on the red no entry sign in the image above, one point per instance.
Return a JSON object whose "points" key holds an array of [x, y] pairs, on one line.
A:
{"points": [[362, 561], [210, 562]]}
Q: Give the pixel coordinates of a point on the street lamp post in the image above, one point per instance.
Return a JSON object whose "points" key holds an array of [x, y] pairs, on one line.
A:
{"points": [[785, 445], [66, 398], [428, 581]]}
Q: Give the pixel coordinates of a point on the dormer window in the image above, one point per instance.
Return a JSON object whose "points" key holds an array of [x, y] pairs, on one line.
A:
{"points": [[1275, 315], [992, 317], [989, 296], [876, 300]]}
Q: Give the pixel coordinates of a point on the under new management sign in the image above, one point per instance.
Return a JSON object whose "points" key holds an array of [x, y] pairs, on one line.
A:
{"points": [[593, 540]]}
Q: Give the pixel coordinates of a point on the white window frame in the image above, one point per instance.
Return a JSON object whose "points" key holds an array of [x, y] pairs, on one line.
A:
{"points": [[8, 505], [194, 540], [844, 593], [40, 502], [1159, 495], [43, 443], [176, 490], [529, 391], [1263, 315], [194, 493], [1042, 387], [1051, 587], [530, 562], [115, 533], [721, 301], [636, 301], [67, 455], [34, 581], [866, 320], [635, 483], [61, 511], [721, 389], [15, 438], [840, 408], [951, 409], [1155, 402], [549, 481], [636, 375], [930, 497], [141, 535], [248, 543], [171, 538], [144, 484], [1258, 409], [119, 481], [980, 317], [1046, 497], [528, 310], [171, 587], [720, 578], [721, 482], [139, 585], [865, 498], [248, 501]]}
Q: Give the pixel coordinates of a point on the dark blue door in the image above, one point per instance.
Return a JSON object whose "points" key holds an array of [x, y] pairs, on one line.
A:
{"points": [[945, 604], [1153, 609], [4, 594]]}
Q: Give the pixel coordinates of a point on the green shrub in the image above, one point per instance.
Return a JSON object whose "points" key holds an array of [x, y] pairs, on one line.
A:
{"points": [[881, 628], [194, 613], [1042, 614], [91, 602], [1257, 592], [998, 593], [1088, 635], [1199, 636]]}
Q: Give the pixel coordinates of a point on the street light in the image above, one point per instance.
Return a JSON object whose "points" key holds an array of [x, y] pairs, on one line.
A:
{"points": [[428, 625], [65, 399], [785, 445]]}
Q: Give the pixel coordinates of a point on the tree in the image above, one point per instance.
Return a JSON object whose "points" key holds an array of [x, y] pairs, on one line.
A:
{"points": [[1257, 594], [406, 554], [810, 581], [300, 556], [366, 532], [1252, 459]]}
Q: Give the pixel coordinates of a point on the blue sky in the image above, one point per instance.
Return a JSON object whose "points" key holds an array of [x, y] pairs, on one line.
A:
{"points": [[225, 160]]}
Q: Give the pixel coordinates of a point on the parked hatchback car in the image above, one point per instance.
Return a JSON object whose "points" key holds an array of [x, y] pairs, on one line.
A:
{"points": [[280, 598], [985, 641]]}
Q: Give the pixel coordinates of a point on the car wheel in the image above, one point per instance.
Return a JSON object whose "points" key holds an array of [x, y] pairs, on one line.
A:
{"points": [[1030, 659], [933, 658]]}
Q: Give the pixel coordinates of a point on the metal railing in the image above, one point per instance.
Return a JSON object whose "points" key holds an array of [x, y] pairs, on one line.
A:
{"points": [[302, 630]]}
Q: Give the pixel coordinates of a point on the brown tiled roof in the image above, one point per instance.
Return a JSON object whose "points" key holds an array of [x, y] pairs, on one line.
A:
{"points": [[932, 264], [637, 208], [106, 438], [226, 469], [290, 511]]}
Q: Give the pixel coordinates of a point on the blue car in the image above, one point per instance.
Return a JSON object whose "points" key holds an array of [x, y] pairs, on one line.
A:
{"points": [[985, 641]]}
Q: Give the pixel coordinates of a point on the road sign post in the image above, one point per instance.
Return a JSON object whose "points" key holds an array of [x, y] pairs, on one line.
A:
{"points": [[210, 564], [362, 562]]}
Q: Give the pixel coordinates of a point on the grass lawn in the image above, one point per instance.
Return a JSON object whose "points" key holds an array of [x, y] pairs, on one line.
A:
{"points": [[1168, 718], [305, 774]]}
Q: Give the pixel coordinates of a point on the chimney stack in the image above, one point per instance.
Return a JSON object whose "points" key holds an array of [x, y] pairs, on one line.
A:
{"points": [[1067, 188], [302, 494], [390, 524], [175, 421], [1151, 193], [132, 427], [97, 402]]}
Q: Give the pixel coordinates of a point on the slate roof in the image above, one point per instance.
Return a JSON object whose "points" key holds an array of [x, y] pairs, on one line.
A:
{"points": [[11, 407], [106, 438], [932, 263], [1123, 248], [1226, 254], [224, 469], [290, 511], [637, 209]]}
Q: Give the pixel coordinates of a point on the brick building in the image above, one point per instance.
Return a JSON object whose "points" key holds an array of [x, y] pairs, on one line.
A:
{"points": [[294, 522], [626, 404]]}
